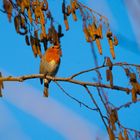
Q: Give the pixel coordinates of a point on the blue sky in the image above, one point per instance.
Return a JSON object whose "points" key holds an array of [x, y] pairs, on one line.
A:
{"points": [[27, 115]]}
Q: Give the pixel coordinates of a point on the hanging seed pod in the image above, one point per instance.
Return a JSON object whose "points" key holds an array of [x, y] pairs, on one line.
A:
{"points": [[30, 15], [76, 5], [109, 63], [100, 31], [27, 40], [68, 10], [8, 8], [42, 18], [113, 118], [94, 29], [87, 34], [66, 23], [74, 16], [99, 45], [111, 134], [18, 2], [127, 72], [91, 32], [63, 7], [111, 47], [108, 75], [125, 134], [132, 77], [45, 43], [17, 23], [134, 95], [115, 41], [73, 8], [60, 34], [120, 137], [109, 34], [38, 47], [111, 79], [34, 49]]}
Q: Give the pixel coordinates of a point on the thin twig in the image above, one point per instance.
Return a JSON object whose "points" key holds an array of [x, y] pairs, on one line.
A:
{"points": [[80, 102], [127, 104], [95, 103]]}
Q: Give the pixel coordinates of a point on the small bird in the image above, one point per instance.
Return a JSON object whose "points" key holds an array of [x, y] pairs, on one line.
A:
{"points": [[49, 65]]}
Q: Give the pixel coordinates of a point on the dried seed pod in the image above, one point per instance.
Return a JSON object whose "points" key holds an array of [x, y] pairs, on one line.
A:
{"points": [[111, 78], [60, 34], [91, 32], [30, 15], [111, 134], [99, 45], [120, 137], [74, 16], [66, 23], [45, 42], [125, 134], [132, 77], [115, 41], [107, 74], [100, 31], [109, 63], [17, 23], [127, 72], [113, 118], [109, 34], [134, 95], [68, 10], [63, 7], [87, 34], [111, 47], [27, 40], [8, 8], [94, 29], [73, 8]]}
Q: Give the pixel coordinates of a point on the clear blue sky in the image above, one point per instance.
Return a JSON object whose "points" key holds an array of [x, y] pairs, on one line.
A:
{"points": [[27, 115]]}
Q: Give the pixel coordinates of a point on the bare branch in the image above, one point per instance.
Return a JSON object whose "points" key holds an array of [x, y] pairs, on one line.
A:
{"points": [[94, 84]]}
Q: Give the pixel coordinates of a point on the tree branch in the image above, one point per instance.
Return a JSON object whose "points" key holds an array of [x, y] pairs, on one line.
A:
{"points": [[68, 79]]}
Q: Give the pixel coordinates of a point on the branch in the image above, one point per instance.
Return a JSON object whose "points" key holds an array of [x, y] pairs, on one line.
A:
{"points": [[78, 101], [68, 79]]}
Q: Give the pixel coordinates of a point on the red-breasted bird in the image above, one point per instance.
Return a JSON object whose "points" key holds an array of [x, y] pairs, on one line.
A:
{"points": [[49, 65]]}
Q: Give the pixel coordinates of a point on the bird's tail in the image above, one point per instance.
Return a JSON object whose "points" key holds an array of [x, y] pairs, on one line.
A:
{"points": [[46, 87]]}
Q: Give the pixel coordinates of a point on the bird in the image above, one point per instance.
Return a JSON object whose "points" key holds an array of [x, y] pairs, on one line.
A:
{"points": [[49, 65]]}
